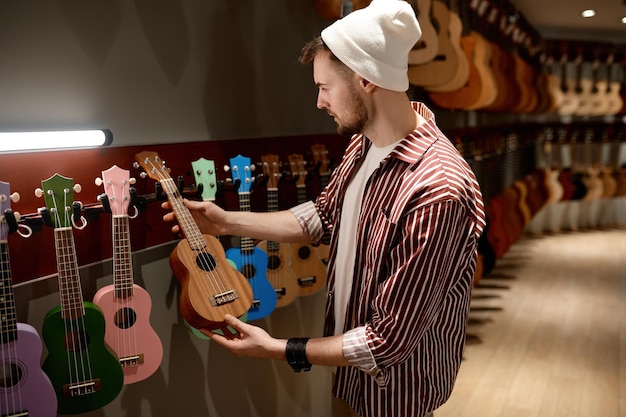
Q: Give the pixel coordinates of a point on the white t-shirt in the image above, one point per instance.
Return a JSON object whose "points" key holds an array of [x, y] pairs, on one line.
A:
{"points": [[346, 247]]}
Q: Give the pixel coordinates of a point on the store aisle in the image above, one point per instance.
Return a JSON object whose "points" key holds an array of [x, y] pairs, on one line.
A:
{"points": [[547, 335]]}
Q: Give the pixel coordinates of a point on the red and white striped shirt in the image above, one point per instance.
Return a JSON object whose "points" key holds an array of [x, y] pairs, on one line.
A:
{"points": [[421, 216]]}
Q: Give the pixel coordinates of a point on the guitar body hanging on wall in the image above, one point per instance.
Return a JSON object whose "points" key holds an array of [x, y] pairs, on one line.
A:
{"points": [[25, 390], [250, 260], [83, 369], [125, 305]]}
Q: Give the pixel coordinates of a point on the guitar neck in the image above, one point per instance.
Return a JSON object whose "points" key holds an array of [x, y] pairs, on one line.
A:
{"points": [[185, 220], [8, 325], [69, 280], [122, 259]]}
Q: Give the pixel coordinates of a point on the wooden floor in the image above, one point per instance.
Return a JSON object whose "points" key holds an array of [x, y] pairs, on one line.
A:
{"points": [[548, 331]]}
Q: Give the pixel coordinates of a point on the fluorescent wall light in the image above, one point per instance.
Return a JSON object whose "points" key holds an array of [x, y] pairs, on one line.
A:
{"points": [[74, 139]]}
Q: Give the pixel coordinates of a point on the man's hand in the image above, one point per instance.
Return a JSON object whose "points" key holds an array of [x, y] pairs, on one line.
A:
{"points": [[250, 341]]}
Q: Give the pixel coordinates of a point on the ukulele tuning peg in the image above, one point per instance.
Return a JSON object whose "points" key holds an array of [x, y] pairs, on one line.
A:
{"points": [[98, 181], [132, 180], [38, 192], [77, 188], [226, 168], [15, 197], [143, 175], [136, 165]]}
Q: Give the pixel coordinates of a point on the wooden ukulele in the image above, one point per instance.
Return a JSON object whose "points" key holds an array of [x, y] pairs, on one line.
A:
{"points": [[250, 260], [84, 370], [306, 264], [125, 305], [279, 273], [210, 287], [25, 390]]}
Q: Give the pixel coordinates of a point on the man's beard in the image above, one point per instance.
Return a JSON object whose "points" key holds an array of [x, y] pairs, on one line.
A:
{"points": [[358, 119]]}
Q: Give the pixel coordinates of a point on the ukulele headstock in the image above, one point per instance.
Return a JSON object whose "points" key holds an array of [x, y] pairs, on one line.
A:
{"points": [[204, 173], [153, 166], [58, 193], [271, 170], [117, 182], [241, 169]]}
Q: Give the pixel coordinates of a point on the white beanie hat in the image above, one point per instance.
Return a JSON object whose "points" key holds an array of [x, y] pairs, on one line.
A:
{"points": [[375, 42]]}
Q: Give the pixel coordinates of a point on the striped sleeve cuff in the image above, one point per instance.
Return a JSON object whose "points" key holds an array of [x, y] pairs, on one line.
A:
{"points": [[309, 220], [357, 351]]}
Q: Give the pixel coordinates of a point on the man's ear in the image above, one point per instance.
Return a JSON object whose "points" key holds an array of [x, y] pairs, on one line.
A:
{"points": [[366, 85]]}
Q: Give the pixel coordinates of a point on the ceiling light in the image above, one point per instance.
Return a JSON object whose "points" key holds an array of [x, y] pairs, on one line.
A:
{"points": [[31, 141], [588, 13]]}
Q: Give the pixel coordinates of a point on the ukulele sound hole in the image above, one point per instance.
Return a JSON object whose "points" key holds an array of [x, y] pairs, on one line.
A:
{"points": [[304, 252], [125, 318], [206, 262], [248, 270], [76, 341], [273, 262], [10, 375]]}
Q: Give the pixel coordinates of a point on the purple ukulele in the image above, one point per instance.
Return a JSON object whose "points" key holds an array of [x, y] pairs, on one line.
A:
{"points": [[24, 388]]}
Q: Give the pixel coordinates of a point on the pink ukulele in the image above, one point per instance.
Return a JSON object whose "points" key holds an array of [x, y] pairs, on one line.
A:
{"points": [[125, 305]]}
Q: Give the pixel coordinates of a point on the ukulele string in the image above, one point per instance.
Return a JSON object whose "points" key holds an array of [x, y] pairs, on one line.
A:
{"points": [[192, 233], [123, 292], [66, 260], [12, 400], [245, 245], [81, 333]]}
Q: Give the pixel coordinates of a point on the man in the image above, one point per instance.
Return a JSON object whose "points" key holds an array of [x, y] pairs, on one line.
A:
{"points": [[402, 213]]}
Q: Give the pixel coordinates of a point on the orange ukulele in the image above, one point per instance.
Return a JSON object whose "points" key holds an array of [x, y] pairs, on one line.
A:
{"points": [[125, 305], [210, 287], [279, 273], [305, 263]]}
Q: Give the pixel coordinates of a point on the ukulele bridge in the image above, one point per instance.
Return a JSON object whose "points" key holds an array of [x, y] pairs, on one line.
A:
{"points": [[307, 281], [133, 360], [82, 388], [223, 298]]}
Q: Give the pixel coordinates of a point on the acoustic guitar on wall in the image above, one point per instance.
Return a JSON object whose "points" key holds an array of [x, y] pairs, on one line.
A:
{"points": [[84, 370], [210, 287], [25, 389], [125, 305]]}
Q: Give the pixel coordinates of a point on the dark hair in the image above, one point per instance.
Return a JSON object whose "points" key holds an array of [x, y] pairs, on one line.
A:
{"points": [[316, 46]]}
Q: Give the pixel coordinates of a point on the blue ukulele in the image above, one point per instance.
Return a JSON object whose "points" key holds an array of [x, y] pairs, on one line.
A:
{"points": [[251, 260]]}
